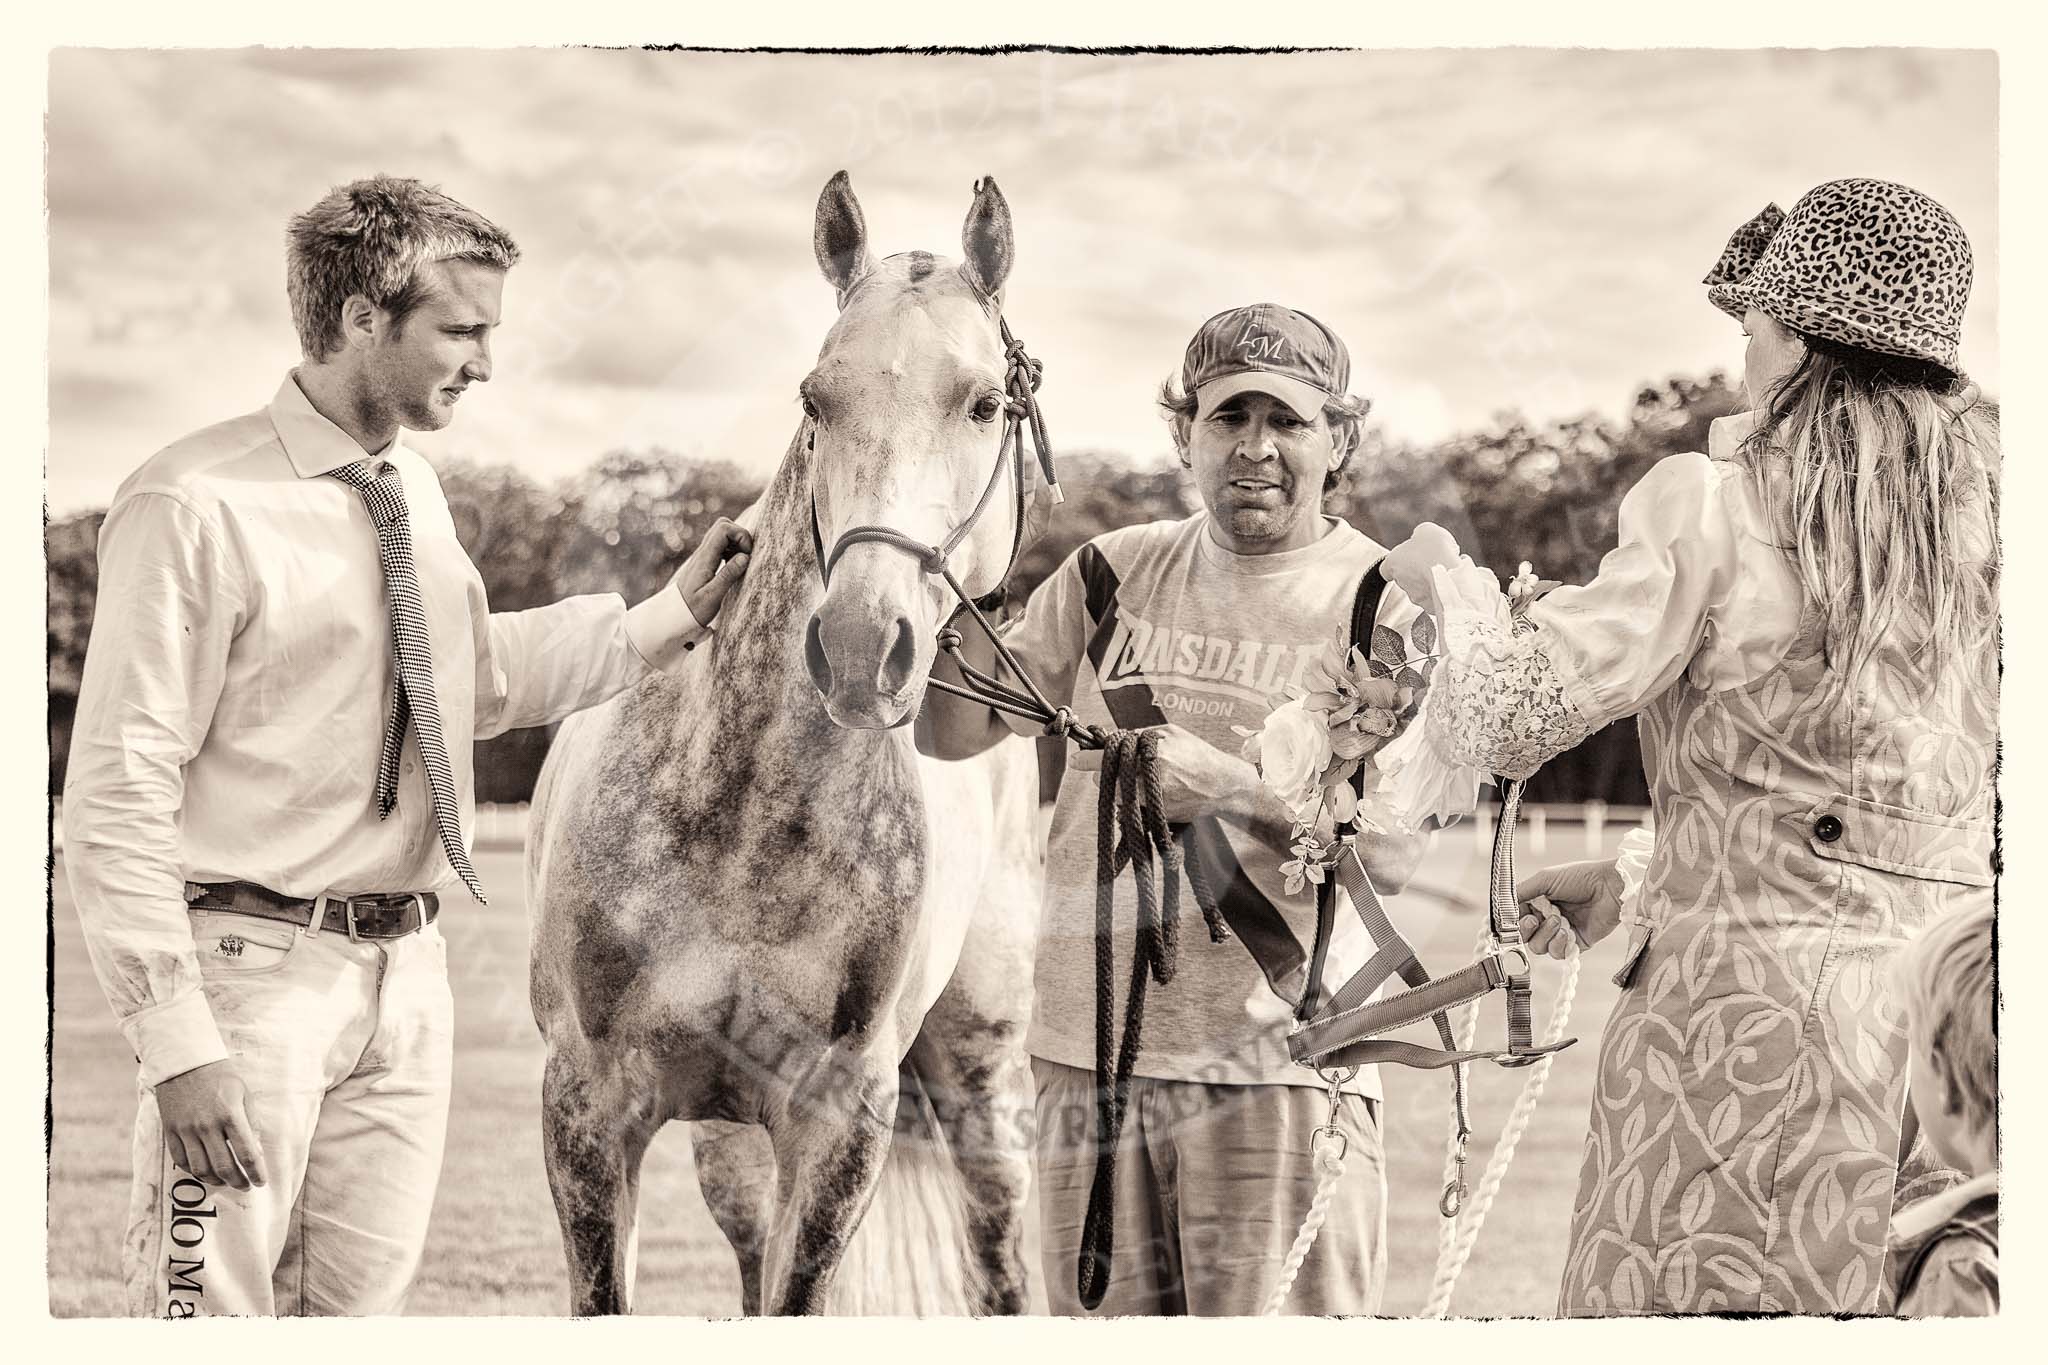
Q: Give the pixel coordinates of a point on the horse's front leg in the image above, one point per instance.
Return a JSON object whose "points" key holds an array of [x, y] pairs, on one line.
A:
{"points": [[597, 1117], [970, 1052], [831, 1139]]}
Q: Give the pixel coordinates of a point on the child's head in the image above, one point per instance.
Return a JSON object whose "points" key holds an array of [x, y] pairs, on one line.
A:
{"points": [[1947, 975]]}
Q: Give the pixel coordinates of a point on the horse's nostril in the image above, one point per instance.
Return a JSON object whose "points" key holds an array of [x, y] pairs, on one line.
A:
{"points": [[896, 669], [815, 662]]}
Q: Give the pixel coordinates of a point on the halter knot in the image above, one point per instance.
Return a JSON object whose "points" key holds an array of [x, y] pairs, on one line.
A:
{"points": [[1032, 370]]}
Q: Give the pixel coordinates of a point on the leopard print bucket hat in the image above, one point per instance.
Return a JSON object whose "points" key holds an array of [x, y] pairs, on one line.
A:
{"points": [[1864, 262]]}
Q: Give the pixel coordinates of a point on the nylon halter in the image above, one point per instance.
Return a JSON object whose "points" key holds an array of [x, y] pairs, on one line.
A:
{"points": [[1348, 1031]]}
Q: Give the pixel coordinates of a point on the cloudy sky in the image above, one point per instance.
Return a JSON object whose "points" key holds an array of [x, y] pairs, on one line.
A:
{"points": [[1489, 230]]}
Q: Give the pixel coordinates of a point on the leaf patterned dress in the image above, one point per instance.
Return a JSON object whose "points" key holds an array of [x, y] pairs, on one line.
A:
{"points": [[1743, 1147]]}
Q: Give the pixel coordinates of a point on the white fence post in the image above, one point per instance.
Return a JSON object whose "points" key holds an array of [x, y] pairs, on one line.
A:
{"points": [[501, 826], [1538, 825], [1596, 826]]}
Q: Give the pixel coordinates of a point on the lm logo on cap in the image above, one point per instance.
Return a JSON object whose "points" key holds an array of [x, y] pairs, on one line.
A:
{"points": [[1255, 346]]}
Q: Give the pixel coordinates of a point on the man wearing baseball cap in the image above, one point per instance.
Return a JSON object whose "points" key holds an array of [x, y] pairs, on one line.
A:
{"points": [[1201, 626]]}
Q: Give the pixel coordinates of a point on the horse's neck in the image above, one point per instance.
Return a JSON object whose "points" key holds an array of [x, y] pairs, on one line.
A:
{"points": [[760, 694]]}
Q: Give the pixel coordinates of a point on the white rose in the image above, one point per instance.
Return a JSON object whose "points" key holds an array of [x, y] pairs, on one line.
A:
{"points": [[1294, 748]]}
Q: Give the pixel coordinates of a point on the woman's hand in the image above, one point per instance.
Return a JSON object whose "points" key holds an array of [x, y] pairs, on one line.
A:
{"points": [[1408, 565], [1586, 896], [713, 568]]}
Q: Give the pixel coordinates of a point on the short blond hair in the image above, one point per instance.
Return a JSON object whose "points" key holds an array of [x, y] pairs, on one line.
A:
{"points": [[371, 237], [1949, 975]]}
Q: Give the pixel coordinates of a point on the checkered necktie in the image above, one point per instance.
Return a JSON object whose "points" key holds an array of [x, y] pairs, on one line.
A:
{"points": [[384, 496]]}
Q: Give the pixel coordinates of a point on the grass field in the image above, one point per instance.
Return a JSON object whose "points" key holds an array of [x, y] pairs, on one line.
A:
{"points": [[494, 1247]]}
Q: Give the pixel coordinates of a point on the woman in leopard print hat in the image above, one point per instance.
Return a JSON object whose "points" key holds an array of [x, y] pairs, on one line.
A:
{"points": [[1804, 623], [1864, 264]]}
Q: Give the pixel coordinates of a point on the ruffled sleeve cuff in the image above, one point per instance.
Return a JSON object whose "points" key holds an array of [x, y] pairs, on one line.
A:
{"points": [[1425, 785], [1501, 704], [1633, 865]]}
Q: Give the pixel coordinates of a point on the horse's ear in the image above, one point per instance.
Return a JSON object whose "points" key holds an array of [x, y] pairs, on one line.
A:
{"points": [[840, 236], [986, 240]]}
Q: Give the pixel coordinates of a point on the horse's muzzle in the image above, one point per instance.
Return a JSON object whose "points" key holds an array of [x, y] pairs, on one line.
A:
{"points": [[865, 671]]}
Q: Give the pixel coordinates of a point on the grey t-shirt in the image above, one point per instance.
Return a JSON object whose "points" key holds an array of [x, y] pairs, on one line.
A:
{"points": [[1216, 638]]}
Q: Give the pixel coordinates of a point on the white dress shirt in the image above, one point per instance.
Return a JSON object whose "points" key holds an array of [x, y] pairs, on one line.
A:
{"points": [[237, 686]]}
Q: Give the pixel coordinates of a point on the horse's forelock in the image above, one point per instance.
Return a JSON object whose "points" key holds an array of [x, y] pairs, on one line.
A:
{"points": [[911, 280]]}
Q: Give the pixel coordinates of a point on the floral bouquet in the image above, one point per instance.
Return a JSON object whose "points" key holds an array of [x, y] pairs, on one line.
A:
{"points": [[1314, 746]]}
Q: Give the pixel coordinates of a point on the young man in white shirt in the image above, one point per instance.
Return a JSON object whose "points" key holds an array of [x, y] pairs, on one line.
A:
{"points": [[270, 787], [1198, 627]]}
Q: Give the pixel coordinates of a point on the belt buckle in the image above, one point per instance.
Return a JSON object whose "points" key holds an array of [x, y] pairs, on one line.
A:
{"points": [[351, 904], [419, 905]]}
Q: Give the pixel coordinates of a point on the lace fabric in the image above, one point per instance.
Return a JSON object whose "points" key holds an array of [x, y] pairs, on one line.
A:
{"points": [[1501, 704]]}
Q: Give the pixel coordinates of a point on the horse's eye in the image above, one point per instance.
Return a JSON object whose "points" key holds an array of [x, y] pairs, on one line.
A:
{"points": [[810, 408], [988, 408]]}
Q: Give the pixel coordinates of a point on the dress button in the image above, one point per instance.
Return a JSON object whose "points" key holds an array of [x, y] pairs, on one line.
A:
{"points": [[1827, 829]]}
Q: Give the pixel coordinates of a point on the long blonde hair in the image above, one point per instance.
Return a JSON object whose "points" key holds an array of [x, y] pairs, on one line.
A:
{"points": [[1883, 476]]}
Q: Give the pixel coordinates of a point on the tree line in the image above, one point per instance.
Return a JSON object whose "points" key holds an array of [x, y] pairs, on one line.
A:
{"points": [[1511, 491]]}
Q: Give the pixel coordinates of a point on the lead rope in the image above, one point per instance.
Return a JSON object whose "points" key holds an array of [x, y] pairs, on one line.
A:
{"points": [[1458, 1232], [1327, 1150], [1463, 1216], [1130, 831], [1458, 1235]]}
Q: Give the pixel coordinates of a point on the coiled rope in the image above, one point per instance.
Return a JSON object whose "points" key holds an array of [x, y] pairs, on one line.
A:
{"points": [[1130, 831]]}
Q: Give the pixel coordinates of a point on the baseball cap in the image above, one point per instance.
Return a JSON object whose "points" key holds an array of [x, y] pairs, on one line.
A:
{"points": [[1265, 348]]}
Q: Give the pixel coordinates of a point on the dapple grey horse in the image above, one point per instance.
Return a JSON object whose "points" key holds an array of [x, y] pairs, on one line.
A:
{"points": [[756, 907]]}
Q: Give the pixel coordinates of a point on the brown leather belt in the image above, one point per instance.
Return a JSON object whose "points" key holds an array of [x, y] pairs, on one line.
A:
{"points": [[376, 915]]}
